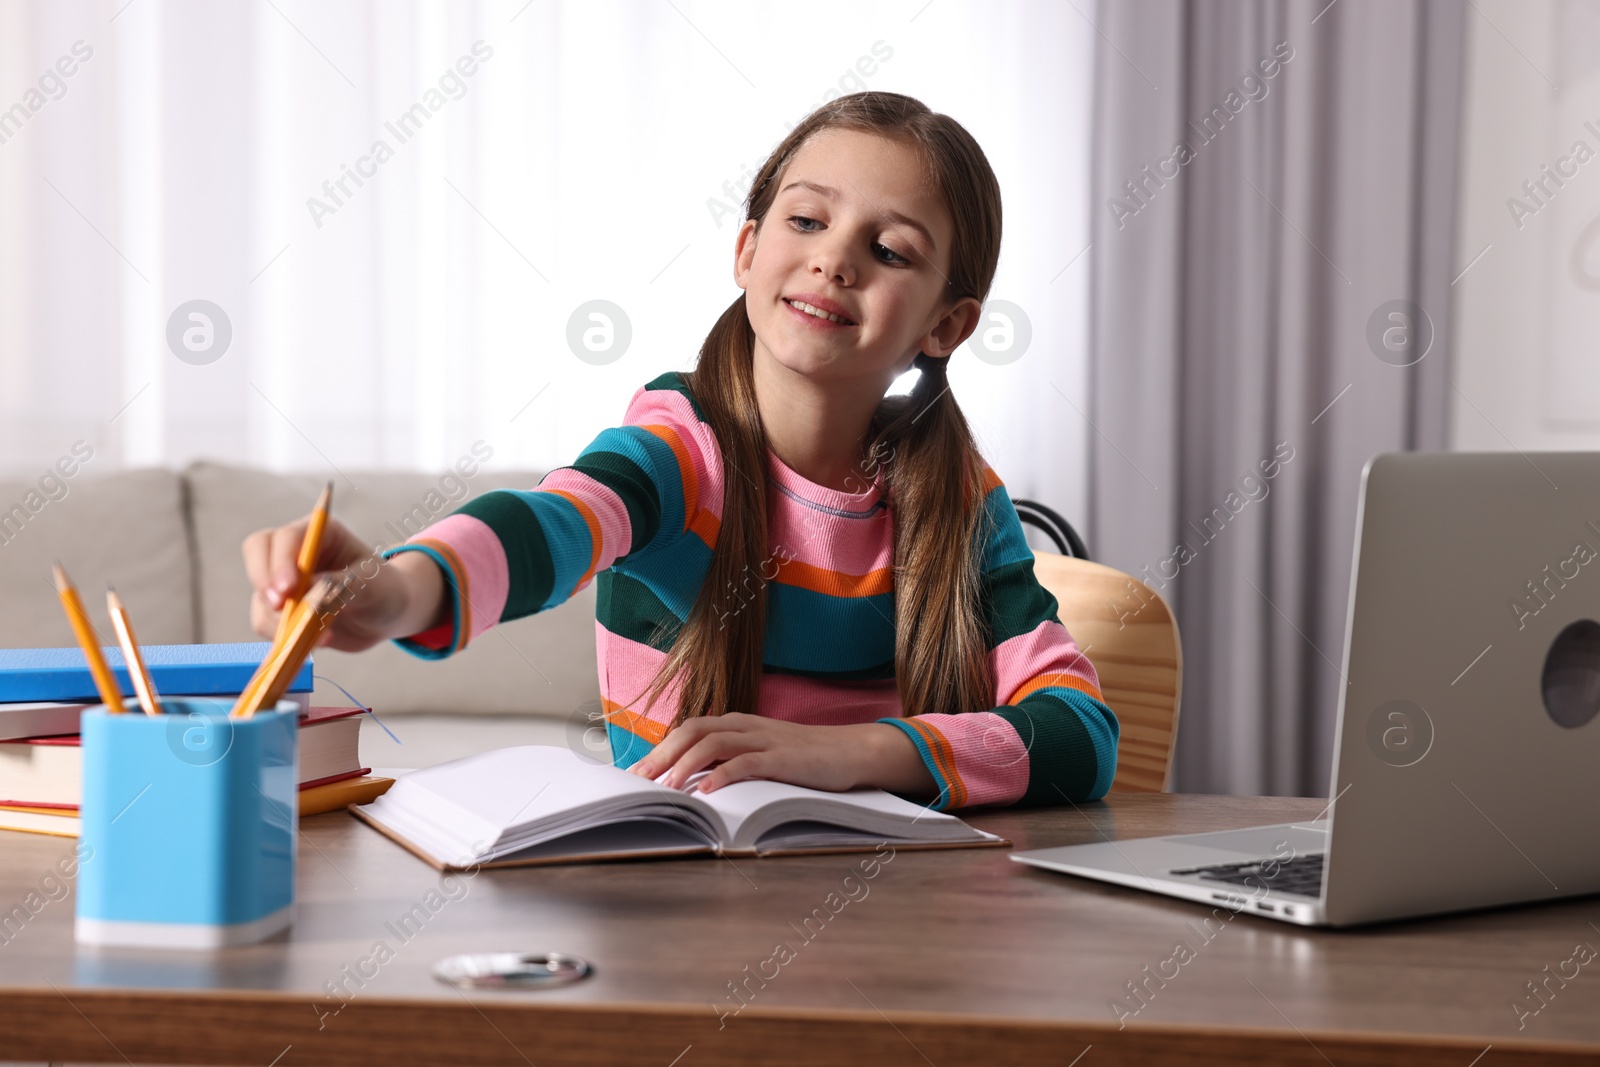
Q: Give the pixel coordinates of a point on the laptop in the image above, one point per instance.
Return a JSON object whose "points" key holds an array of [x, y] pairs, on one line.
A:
{"points": [[1466, 765]]}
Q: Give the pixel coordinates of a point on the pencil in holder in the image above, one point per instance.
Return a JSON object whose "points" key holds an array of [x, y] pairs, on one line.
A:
{"points": [[191, 819]]}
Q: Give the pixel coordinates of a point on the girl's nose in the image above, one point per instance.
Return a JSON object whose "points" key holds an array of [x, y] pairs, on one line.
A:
{"points": [[833, 260]]}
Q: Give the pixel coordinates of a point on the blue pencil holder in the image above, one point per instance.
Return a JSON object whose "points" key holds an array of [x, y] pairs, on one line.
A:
{"points": [[191, 819]]}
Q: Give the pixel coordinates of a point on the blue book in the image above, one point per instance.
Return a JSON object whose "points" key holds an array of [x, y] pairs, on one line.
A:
{"points": [[62, 674]]}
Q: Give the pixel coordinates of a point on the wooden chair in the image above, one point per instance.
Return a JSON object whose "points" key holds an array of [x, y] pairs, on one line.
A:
{"points": [[1129, 634]]}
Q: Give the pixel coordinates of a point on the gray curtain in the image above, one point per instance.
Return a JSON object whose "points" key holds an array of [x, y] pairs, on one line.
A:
{"points": [[1272, 268]]}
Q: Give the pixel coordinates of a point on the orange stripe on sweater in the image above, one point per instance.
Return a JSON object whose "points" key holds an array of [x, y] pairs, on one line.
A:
{"points": [[944, 758], [691, 484], [706, 526], [631, 721], [591, 520], [802, 575], [990, 478], [460, 574], [1046, 681]]}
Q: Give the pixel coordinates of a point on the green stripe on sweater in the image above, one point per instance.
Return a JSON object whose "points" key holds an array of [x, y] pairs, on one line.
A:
{"points": [[529, 568], [1015, 602], [1061, 760]]}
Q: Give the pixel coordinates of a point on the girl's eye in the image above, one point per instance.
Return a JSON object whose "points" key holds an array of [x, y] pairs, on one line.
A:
{"points": [[895, 258]]}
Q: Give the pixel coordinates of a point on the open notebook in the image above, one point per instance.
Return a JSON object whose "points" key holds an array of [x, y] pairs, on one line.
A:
{"points": [[537, 804]]}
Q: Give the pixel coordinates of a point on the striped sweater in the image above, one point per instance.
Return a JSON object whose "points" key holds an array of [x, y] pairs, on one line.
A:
{"points": [[638, 512]]}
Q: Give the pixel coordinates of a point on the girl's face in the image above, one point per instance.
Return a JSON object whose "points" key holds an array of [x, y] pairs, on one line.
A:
{"points": [[853, 230]]}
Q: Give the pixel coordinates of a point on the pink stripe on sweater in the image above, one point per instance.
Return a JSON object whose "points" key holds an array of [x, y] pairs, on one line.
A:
{"points": [[627, 668], [616, 531], [1046, 649], [866, 486], [990, 758], [794, 532], [488, 580], [822, 703]]}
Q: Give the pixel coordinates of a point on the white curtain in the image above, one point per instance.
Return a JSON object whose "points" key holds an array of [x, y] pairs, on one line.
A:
{"points": [[534, 157]]}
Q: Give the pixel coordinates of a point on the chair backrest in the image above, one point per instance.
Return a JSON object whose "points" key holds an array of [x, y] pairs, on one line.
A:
{"points": [[1129, 634]]}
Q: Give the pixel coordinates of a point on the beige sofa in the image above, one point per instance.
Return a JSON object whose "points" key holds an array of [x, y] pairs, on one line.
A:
{"points": [[170, 542]]}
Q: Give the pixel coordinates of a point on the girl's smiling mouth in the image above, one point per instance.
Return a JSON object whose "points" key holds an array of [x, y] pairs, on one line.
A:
{"points": [[820, 316]]}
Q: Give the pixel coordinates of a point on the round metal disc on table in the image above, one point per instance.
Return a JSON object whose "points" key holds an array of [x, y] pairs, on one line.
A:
{"points": [[511, 970]]}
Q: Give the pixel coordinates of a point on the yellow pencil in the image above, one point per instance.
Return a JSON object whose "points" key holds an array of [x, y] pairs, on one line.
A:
{"points": [[254, 685], [142, 684], [306, 565], [104, 681], [311, 617]]}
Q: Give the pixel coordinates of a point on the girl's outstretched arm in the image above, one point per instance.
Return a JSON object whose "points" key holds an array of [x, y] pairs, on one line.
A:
{"points": [[511, 552]]}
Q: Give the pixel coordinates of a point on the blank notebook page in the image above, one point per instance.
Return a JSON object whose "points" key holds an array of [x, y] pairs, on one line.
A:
{"points": [[513, 786]]}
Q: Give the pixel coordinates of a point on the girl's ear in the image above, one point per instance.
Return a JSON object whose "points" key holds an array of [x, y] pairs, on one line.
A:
{"points": [[954, 326], [744, 252]]}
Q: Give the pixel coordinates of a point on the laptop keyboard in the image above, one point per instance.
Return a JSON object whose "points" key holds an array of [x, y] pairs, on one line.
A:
{"points": [[1301, 875]]}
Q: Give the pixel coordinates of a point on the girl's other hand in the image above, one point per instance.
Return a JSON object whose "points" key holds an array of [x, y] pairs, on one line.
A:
{"points": [[835, 758]]}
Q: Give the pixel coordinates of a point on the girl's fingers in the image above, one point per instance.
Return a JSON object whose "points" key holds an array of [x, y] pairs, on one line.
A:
{"points": [[718, 745], [682, 738], [284, 559], [745, 765], [671, 747]]}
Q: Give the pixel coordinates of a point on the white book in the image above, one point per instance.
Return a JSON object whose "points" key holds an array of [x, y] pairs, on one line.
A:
{"points": [[535, 804], [41, 718], [47, 718]]}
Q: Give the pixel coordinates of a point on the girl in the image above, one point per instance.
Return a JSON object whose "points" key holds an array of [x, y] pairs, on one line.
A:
{"points": [[799, 578]]}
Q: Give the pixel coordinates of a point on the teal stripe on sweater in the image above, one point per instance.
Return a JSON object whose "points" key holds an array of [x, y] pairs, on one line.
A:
{"points": [[811, 631], [1006, 544], [656, 458], [673, 572], [626, 748]]}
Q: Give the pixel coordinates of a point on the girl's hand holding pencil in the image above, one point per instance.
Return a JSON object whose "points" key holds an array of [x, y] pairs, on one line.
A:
{"points": [[405, 595]]}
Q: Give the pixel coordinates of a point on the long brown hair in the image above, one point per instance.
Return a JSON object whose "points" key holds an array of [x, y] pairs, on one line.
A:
{"points": [[932, 472]]}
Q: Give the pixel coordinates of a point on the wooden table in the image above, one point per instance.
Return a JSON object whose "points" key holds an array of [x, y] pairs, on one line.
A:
{"points": [[944, 958]]}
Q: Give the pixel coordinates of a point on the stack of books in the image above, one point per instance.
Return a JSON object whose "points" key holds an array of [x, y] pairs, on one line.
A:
{"points": [[43, 691]]}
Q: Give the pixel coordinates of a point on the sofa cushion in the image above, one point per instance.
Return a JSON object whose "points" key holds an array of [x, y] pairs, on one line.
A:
{"points": [[543, 664], [125, 527]]}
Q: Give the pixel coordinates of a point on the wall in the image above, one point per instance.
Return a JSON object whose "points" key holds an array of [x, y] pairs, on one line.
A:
{"points": [[1527, 312]]}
